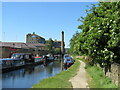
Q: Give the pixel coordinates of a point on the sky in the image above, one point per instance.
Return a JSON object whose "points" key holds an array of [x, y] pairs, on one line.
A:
{"points": [[47, 19]]}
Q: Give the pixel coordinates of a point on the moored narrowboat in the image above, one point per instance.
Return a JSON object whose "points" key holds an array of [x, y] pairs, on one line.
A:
{"points": [[50, 57], [19, 60], [9, 64], [38, 59]]}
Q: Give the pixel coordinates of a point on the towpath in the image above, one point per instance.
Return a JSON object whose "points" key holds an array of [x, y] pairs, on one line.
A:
{"points": [[81, 79]]}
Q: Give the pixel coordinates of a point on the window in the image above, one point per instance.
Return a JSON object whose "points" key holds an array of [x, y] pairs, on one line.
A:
{"points": [[33, 36]]}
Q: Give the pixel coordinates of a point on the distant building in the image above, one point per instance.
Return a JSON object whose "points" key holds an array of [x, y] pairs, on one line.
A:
{"points": [[7, 48], [14, 44], [57, 44], [34, 38]]}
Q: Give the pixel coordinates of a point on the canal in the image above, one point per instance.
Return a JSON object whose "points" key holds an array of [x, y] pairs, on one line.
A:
{"points": [[27, 77]]}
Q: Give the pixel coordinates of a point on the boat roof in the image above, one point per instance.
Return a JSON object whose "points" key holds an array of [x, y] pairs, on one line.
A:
{"points": [[21, 53], [2, 59]]}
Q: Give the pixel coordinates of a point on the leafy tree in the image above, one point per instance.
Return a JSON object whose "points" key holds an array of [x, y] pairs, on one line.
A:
{"points": [[74, 43], [49, 45], [57, 50], [100, 36]]}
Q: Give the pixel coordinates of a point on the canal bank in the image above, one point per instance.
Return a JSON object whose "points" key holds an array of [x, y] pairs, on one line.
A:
{"points": [[27, 77], [60, 80]]}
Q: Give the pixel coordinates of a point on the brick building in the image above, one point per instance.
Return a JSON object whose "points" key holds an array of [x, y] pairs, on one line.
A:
{"points": [[7, 48], [34, 38], [35, 44], [57, 44]]}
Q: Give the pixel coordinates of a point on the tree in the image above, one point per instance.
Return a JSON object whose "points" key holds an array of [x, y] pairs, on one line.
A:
{"points": [[49, 45], [74, 43], [100, 36], [57, 50]]}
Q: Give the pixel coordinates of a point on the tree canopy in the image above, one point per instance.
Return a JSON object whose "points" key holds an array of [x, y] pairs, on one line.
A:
{"points": [[49, 45], [100, 36]]}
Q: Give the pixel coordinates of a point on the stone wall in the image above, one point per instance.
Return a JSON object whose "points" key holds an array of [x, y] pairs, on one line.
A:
{"points": [[114, 73]]}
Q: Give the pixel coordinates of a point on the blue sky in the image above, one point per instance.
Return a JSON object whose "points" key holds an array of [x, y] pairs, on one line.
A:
{"points": [[46, 19]]}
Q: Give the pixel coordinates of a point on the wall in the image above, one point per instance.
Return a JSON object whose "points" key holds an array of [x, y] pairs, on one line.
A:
{"points": [[114, 73]]}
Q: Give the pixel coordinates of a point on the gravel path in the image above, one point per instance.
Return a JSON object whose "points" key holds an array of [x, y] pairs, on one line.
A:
{"points": [[80, 80]]}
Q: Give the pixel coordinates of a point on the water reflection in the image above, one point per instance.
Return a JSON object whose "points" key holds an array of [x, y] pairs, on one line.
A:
{"points": [[27, 77]]}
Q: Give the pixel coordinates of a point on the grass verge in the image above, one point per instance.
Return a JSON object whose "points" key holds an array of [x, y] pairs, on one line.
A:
{"points": [[98, 79], [60, 80]]}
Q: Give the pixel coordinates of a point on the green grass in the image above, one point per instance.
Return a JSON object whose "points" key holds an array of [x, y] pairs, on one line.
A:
{"points": [[99, 80], [60, 80]]}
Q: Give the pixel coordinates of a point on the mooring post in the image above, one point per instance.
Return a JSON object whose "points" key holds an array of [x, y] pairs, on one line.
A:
{"points": [[62, 50]]}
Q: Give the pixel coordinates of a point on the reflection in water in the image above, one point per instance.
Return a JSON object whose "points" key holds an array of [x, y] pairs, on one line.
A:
{"points": [[27, 77]]}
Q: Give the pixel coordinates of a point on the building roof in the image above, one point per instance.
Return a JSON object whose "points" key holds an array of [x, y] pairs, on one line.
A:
{"points": [[35, 45], [21, 45], [37, 36], [14, 44], [57, 41]]}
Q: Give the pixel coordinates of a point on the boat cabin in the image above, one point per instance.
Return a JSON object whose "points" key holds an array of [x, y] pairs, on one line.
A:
{"points": [[28, 57]]}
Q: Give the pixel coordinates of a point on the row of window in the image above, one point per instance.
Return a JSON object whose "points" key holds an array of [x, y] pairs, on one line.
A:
{"points": [[36, 42], [33, 42], [35, 39], [32, 39]]}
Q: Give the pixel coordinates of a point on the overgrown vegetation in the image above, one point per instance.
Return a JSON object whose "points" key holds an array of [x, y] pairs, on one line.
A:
{"points": [[100, 36], [60, 80], [98, 79]]}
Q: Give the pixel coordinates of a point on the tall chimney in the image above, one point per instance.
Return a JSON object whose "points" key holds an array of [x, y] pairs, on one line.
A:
{"points": [[62, 44]]}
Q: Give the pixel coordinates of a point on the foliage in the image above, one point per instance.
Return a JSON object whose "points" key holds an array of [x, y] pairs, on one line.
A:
{"points": [[60, 80], [74, 44], [57, 51], [98, 78], [100, 36], [50, 46]]}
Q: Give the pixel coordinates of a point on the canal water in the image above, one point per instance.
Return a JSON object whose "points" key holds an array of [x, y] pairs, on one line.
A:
{"points": [[27, 77]]}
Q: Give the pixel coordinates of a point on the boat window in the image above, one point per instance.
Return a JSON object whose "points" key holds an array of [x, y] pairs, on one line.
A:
{"points": [[13, 55], [17, 56], [21, 56], [0, 61], [26, 56]]}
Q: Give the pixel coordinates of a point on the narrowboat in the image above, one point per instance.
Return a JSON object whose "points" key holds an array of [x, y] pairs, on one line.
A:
{"points": [[8, 64], [57, 58], [38, 59], [19, 60], [27, 57], [50, 57]]}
